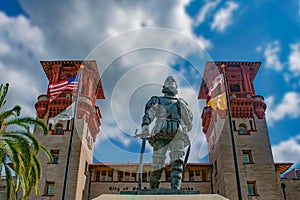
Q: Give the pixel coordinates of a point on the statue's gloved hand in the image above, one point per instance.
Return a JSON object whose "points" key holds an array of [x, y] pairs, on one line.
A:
{"points": [[145, 131]]}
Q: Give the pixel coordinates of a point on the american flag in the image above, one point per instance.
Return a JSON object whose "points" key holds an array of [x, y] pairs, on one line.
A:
{"points": [[55, 89]]}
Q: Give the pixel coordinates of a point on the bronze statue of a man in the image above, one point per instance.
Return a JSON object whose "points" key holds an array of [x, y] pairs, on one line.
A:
{"points": [[173, 122]]}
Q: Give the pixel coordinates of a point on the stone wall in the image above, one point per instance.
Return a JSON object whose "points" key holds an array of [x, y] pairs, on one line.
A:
{"points": [[292, 188], [98, 188]]}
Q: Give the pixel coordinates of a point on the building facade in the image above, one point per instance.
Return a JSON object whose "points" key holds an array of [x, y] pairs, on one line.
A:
{"points": [[255, 161], [112, 178], [85, 130], [259, 175]]}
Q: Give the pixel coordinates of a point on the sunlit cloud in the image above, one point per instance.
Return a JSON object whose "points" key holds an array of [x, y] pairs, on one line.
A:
{"points": [[208, 7], [289, 107], [287, 150], [223, 17], [294, 59], [271, 53]]}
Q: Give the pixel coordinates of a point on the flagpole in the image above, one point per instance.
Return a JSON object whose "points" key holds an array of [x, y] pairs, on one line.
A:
{"points": [[237, 173], [67, 171]]}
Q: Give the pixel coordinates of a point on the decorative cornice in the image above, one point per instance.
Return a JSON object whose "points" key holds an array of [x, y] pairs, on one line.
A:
{"points": [[213, 65]]}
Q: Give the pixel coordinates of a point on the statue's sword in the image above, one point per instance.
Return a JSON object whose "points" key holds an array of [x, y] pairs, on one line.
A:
{"points": [[141, 157]]}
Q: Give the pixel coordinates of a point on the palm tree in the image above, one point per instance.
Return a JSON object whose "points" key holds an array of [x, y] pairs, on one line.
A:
{"points": [[19, 149]]}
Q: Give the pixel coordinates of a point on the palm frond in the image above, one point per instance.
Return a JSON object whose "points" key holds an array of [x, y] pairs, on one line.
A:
{"points": [[6, 115], [3, 92], [20, 148], [47, 152], [9, 182], [31, 139], [12, 150], [24, 121], [15, 111]]}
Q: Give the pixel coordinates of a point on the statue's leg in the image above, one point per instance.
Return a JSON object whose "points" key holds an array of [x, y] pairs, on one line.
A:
{"points": [[176, 162], [158, 163]]}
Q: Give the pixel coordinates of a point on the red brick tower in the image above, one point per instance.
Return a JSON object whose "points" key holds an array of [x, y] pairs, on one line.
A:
{"points": [[86, 129], [255, 160]]}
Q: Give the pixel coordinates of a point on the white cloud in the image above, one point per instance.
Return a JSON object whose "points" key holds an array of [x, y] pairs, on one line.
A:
{"points": [[22, 87], [208, 7], [288, 107], [288, 150], [21, 44], [294, 59], [73, 36], [223, 18], [76, 35], [51, 33], [271, 53], [18, 34]]}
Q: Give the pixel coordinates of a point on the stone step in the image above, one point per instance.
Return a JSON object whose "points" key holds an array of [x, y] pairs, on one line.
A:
{"points": [[161, 197]]}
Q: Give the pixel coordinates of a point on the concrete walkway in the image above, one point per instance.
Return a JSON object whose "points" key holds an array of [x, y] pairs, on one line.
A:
{"points": [[160, 197]]}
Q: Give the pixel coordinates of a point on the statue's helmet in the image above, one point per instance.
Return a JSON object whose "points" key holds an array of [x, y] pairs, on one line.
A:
{"points": [[170, 86]]}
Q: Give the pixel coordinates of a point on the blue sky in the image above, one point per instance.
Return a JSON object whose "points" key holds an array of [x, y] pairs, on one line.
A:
{"points": [[259, 30]]}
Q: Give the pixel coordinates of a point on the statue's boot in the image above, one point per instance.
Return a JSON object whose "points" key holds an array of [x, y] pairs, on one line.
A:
{"points": [[155, 177], [176, 174], [157, 168]]}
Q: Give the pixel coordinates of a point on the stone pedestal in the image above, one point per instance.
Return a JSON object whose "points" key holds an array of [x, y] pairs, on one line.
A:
{"points": [[161, 197], [161, 191]]}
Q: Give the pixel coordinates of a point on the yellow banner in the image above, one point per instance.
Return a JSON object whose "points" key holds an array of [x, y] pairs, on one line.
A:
{"points": [[218, 102]]}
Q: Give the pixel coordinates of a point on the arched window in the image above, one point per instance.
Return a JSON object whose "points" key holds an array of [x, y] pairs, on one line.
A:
{"points": [[243, 129], [58, 129]]}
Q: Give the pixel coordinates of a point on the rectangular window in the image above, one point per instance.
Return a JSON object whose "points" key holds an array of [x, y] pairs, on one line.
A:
{"points": [[197, 174], [120, 176], [235, 88], [103, 175], [251, 124], [133, 177], [252, 190], [127, 176], [110, 175], [55, 155], [97, 177], [191, 175], [49, 188], [68, 124], [247, 157], [233, 123]]}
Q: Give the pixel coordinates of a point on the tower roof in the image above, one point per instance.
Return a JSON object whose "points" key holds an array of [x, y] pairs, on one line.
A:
{"points": [[210, 65], [48, 66], [282, 166]]}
